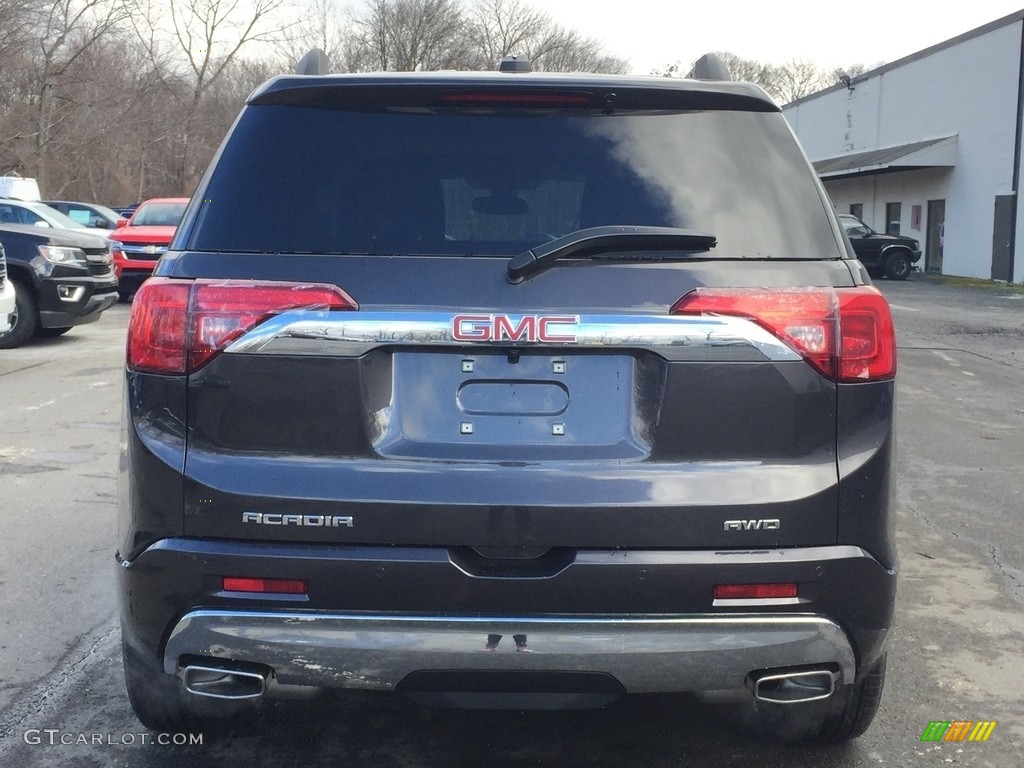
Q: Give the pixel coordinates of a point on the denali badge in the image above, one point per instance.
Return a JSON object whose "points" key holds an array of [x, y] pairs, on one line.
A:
{"points": [[770, 524], [504, 328], [313, 521]]}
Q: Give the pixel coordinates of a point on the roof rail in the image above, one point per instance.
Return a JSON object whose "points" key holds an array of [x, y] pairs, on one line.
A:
{"points": [[515, 63], [313, 63], [710, 67]]}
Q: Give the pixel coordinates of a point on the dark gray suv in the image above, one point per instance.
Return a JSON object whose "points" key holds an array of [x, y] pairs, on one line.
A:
{"points": [[509, 390]]}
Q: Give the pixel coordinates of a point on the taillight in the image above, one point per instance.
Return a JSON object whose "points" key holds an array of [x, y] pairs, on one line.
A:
{"points": [[157, 330], [177, 326], [845, 333], [516, 98], [868, 341]]}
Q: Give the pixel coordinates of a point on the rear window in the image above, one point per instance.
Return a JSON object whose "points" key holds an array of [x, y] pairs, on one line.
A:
{"points": [[295, 179]]}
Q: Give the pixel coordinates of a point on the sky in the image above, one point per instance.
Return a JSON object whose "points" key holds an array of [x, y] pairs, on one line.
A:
{"points": [[655, 33]]}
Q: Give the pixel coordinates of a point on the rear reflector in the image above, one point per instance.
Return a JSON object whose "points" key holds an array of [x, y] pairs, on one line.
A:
{"points": [[754, 591], [845, 333], [275, 586], [177, 326]]}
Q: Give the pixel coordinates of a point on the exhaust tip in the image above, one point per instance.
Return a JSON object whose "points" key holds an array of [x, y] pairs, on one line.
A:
{"points": [[794, 687], [224, 683]]}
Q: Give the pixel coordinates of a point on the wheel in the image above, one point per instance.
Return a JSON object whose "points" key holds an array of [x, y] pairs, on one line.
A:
{"points": [[51, 333], [898, 266], [843, 716], [25, 319], [161, 703]]}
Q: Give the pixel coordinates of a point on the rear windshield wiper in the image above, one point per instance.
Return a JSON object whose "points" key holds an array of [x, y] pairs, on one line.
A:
{"points": [[597, 241]]}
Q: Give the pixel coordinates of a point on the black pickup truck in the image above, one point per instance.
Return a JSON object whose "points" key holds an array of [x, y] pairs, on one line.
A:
{"points": [[61, 279], [891, 255]]}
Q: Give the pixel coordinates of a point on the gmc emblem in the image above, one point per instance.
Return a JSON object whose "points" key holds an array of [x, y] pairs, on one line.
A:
{"points": [[535, 328]]}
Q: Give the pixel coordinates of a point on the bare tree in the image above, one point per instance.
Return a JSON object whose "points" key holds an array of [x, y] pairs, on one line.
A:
{"points": [[499, 28], [323, 26], [192, 50], [18, 18], [69, 31], [567, 50], [797, 78], [410, 35]]}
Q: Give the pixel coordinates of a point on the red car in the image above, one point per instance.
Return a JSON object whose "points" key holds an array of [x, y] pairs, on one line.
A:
{"points": [[138, 243]]}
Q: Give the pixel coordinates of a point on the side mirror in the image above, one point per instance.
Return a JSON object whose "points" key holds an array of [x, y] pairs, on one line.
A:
{"points": [[100, 223], [122, 222], [41, 223]]}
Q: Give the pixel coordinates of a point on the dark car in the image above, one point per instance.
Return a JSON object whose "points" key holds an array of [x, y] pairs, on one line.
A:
{"points": [[61, 279], [86, 214], [891, 255], [568, 388]]}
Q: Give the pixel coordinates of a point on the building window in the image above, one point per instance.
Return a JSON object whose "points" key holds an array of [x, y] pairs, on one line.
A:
{"points": [[857, 209], [893, 214]]}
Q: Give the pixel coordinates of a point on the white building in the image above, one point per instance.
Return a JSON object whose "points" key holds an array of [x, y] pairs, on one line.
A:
{"points": [[930, 145]]}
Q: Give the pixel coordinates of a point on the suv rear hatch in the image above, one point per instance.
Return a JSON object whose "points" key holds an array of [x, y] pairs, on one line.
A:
{"points": [[419, 396]]}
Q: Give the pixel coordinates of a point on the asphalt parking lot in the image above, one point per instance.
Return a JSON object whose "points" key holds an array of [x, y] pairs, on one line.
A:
{"points": [[955, 655]]}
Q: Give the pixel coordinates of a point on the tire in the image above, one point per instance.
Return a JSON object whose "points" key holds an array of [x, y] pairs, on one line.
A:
{"points": [[898, 265], [25, 319], [124, 297], [161, 703], [846, 715], [51, 333]]}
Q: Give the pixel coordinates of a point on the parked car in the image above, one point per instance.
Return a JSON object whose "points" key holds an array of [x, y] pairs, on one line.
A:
{"points": [[569, 388], [41, 215], [891, 255], [126, 211], [61, 279], [86, 214], [6, 294], [138, 242]]}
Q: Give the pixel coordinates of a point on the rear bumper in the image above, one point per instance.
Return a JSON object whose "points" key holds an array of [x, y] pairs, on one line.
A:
{"points": [[644, 654], [371, 616], [69, 301], [132, 274]]}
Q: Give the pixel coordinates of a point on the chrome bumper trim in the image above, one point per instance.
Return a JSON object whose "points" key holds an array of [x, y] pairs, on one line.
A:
{"points": [[645, 654], [355, 333]]}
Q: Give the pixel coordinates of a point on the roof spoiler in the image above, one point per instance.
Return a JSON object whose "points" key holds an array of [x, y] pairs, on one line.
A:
{"points": [[710, 67], [313, 63]]}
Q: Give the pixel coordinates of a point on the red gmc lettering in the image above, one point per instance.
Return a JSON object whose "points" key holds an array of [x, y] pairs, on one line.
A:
{"points": [[546, 335], [471, 328], [502, 328]]}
